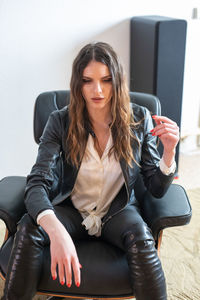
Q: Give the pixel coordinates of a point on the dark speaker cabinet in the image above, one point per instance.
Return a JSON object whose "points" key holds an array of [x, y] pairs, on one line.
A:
{"points": [[157, 55]]}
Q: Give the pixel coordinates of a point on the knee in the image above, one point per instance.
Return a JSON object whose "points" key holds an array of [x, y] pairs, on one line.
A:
{"points": [[26, 222], [26, 232], [143, 249], [138, 237]]}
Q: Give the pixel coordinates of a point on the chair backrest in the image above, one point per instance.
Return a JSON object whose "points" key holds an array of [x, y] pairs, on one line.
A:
{"points": [[55, 100], [50, 101]]}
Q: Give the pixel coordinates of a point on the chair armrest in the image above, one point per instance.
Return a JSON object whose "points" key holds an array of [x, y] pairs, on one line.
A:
{"points": [[12, 200], [173, 209]]}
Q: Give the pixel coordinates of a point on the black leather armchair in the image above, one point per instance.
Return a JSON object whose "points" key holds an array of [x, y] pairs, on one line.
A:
{"points": [[105, 273]]}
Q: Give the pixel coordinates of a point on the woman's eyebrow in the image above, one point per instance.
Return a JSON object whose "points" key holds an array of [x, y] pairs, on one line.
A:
{"points": [[86, 77], [107, 76]]}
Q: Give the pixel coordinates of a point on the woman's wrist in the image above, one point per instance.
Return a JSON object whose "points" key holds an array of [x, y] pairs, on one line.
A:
{"points": [[169, 157], [44, 213], [167, 170], [50, 224]]}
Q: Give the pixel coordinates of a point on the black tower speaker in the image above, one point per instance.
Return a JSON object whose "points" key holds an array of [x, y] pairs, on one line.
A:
{"points": [[157, 58]]}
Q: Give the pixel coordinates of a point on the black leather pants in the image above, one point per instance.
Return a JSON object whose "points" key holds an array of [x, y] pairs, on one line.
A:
{"points": [[126, 230], [24, 269]]}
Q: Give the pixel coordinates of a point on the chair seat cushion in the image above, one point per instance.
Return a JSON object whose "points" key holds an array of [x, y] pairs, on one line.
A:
{"points": [[104, 271]]}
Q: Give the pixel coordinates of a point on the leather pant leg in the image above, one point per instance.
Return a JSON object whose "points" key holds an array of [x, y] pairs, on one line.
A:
{"points": [[128, 231], [25, 263], [146, 271]]}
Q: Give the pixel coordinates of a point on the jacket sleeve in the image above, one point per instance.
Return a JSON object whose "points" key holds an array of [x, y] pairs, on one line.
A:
{"points": [[155, 181], [40, 180]]}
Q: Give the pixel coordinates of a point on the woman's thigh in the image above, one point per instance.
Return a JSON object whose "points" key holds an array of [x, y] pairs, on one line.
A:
{"points": [[126, 227], [71, 219]]}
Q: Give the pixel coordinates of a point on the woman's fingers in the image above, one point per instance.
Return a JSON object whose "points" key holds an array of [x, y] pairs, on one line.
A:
{"points": [[172, 136], [168, 132], [163, 130], [164, 125], [163, 119], [61, 272], [65, 267], [53, 269], [76, 270], [68, 272], [65, 271]]}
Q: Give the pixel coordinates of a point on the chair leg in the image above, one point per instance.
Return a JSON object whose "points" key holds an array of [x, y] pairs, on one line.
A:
{"points": [[159, 242]]}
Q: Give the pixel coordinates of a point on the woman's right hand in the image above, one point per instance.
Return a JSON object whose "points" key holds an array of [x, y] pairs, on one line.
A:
{"points": [[63, 252]]}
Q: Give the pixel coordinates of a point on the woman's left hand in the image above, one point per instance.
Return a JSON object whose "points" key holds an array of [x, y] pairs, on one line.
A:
{"points": [[167, 131]]}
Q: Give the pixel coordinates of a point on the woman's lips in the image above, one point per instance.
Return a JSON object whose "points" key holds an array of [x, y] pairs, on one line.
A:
{"points": [[97, 99]]}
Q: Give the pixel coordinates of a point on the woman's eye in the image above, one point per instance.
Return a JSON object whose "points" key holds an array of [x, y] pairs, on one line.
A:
{"points": [[108, 79], [86, 80], [90, 80]]}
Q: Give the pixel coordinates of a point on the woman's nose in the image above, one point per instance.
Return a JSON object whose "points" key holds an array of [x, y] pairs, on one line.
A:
{"points": [[97, 87]]}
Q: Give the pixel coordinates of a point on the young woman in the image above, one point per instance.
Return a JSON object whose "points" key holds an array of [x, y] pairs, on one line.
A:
{"points": [[103, 142]]}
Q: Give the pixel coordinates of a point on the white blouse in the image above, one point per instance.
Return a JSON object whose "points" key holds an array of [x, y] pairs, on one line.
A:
{"points": [[98, 182]]}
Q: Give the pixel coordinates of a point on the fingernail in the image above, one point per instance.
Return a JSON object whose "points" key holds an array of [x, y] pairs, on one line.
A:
{"points": [[153, 133], [154, 116], [69, 284], [54, 277], [152, 130], [80, 266], [62, 282], [77, 284], [159, 135]]}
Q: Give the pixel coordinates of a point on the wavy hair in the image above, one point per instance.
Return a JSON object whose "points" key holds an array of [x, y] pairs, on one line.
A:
{"points": [[122, 116]]}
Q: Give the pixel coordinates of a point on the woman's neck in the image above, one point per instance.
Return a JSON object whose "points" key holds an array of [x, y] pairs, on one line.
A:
{"points": [[100, 118]]}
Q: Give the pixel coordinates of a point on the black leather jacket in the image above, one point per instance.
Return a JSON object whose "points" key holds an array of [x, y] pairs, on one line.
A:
{"points": [[52, 179]]}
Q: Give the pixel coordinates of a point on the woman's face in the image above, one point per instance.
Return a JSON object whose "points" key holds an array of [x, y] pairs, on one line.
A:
{"points": [[97, 85]]}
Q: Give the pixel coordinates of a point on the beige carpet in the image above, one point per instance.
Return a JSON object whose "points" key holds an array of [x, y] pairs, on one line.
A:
{"points": [[180, 255], [180, 250]]}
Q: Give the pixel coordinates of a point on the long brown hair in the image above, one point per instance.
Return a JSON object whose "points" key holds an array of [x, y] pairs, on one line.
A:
{"points": [[122, 117]]}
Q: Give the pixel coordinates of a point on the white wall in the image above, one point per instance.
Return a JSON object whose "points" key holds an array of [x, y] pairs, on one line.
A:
{"points": [[191, 90], [38, 42]]}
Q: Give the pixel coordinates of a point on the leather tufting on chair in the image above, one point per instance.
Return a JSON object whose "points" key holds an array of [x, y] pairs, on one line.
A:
{"points": [[105, 273]]}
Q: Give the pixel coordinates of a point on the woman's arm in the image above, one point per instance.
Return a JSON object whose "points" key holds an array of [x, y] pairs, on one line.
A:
{"points": [[39, 183], [41, 178], [155, 180], [168, 133]]}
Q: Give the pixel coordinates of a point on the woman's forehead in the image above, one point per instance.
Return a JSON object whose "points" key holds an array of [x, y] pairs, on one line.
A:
{"points": [[96, 68]]}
